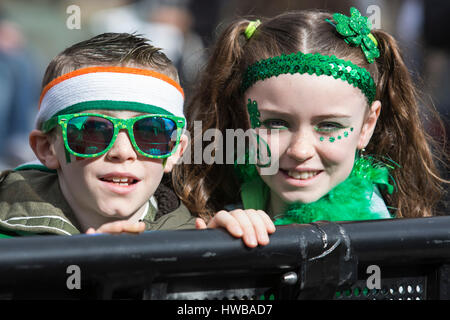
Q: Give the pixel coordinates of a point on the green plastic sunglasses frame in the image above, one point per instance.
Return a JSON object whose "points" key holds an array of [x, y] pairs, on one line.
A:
{"points": [[119, 124]]}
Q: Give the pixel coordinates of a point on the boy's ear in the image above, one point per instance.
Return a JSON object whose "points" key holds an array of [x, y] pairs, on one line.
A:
{"points": [[369, 124], [173, 159], [44, 149]]}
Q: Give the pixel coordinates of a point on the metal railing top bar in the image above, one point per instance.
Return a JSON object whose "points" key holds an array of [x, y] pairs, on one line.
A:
{"points": [[401, 241]]}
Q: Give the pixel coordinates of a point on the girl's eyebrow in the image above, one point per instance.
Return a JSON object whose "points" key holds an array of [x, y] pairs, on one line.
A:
{"points": [[318, 117], [276, 113], [331, 115]]}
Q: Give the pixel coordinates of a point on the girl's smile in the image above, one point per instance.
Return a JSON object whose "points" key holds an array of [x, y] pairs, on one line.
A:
{"points": [[300, 178]]}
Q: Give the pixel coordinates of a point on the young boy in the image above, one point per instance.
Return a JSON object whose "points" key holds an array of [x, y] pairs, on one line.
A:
{"points": [[110, 124]]}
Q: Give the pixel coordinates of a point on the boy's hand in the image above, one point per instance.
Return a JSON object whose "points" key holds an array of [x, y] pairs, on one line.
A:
{"points": [[118, 227], [253, 226]]}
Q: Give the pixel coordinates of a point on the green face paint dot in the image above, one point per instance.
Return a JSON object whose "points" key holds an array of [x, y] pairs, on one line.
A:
{"points": [[321, 138], [351, 129], [332, 139], [339, 137], [346, 134]]}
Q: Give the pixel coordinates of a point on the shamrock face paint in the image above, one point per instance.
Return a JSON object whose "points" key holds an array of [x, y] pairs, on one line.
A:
{"points": [[252, 108], [320, 123]]}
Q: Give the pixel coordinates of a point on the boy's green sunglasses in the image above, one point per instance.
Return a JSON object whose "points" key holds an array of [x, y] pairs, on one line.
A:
{"points": [[90, 135]]}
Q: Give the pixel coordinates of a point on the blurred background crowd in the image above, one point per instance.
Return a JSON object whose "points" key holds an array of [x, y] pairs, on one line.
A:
{"points": [[32, 32]]}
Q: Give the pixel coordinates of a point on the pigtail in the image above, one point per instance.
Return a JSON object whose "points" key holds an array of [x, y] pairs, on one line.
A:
{"points": [[400, 135], [214, 103]]}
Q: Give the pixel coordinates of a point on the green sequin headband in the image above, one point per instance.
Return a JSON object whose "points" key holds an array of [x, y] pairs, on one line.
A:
{"points": [[317, 64]]}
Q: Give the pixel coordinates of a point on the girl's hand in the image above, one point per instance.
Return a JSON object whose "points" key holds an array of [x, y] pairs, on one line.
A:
{"points": [[118, 227], [253, 226]]}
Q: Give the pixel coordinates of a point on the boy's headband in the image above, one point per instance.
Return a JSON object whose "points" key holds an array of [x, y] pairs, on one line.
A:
{"points": [[312, 64], [110, 88]]}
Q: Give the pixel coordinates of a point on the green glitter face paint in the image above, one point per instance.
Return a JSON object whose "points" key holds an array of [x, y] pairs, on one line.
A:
{"points": [[325, 127], [252, 107], [336, 129]]}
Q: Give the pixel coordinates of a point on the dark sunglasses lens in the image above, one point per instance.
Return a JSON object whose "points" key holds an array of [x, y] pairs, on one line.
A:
{"points": [[155, 135], [89, 134]]}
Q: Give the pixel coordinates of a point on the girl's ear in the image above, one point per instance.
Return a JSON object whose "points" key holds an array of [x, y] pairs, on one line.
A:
{"points": [[369, 124], [44, 148], [173, 159]]}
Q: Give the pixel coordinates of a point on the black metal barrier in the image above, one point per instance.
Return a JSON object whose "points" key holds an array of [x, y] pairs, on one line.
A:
{"points": [[382, 259]]}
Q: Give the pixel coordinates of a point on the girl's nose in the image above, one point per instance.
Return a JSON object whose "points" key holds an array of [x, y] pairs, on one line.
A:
{"points": [[301, 147], [122, 150]]}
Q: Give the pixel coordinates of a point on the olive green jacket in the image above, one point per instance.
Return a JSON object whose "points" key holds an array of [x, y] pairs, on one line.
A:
{"points": [[31, 202]]}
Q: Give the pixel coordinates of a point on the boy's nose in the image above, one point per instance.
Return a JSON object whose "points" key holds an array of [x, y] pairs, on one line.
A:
{"points": [[301, 147], [122, 150]]}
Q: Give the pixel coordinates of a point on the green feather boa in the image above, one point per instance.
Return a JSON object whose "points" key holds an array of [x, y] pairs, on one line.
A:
{"points": [[350, 200]]}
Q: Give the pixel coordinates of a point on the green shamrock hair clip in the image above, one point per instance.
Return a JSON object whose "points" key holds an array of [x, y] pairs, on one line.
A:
{"points": [[356, 32]]}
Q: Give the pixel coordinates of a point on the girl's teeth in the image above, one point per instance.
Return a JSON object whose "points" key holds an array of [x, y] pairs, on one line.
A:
{"points": [[302, 175]]}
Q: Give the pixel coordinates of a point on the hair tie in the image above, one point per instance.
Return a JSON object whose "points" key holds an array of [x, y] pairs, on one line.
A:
{"points": [[251, 28]]}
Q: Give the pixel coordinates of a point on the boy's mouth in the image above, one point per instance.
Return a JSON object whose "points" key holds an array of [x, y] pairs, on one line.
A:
{"points": [[120, 179]]}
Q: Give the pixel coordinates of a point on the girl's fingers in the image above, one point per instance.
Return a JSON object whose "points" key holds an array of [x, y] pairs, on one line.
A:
{"points": [[225, 220], [247, 227], [259, 226], [270, 226], [254, 226]]}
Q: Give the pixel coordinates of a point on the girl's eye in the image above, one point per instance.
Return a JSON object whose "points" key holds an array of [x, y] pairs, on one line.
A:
{"points": [[328, 127], [275, 124]]}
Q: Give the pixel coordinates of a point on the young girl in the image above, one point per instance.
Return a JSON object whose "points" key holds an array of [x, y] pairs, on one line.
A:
{"points": [[337, 95]]}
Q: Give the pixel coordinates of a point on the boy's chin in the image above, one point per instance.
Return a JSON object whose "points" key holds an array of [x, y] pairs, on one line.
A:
{"points": [[118, 212]]}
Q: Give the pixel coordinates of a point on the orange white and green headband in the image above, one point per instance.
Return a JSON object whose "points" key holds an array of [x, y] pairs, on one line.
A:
{"points": [[110, 88]]}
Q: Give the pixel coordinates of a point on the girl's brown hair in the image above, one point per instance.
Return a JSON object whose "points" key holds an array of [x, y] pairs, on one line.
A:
{"points": [[219, 103]]}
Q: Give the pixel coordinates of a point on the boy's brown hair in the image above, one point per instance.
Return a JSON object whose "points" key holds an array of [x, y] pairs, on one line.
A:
{"points": [[110, 49]]}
